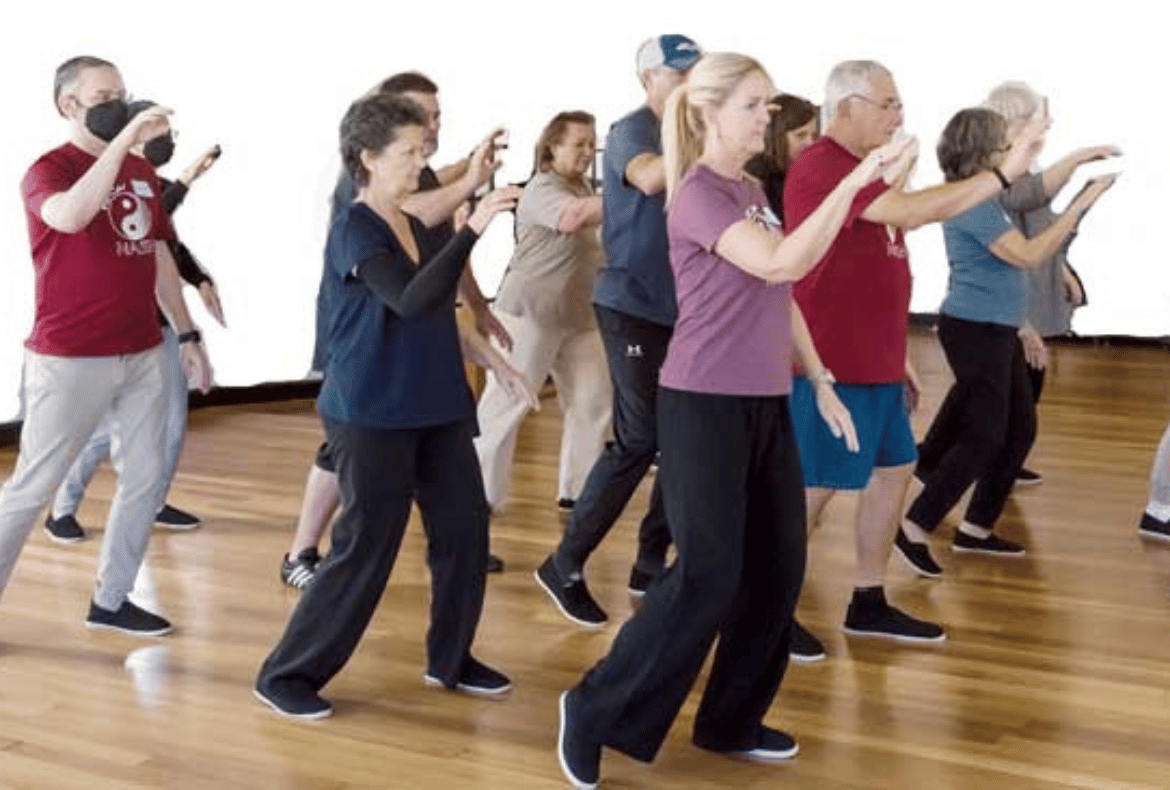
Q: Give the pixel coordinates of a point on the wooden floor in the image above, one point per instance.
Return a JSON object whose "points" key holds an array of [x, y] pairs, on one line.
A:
{"points": [[1056, 673]]}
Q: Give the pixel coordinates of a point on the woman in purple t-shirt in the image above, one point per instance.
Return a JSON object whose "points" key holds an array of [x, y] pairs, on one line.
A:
{"points": [[730, 473]]}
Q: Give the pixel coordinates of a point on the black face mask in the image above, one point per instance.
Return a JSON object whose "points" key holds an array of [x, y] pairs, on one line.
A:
{"points": [[105, 120], [159, 150]]}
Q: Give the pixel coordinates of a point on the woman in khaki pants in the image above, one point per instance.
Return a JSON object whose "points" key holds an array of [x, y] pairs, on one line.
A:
{"points": [[544, 302]]}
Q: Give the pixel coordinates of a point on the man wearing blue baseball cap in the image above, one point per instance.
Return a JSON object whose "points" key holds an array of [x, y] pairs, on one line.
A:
{"points": [[635, 305]]}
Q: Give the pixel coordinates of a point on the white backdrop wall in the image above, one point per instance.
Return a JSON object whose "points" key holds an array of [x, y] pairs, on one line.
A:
{"points": [[269, 82]]}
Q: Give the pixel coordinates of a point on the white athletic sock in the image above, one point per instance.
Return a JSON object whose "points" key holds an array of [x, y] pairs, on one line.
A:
{"points": [[982, 533], [1158, 510]]}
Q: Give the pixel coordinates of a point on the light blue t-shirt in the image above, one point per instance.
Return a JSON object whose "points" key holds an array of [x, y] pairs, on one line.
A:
{"points": [[982, 287], [636, 278]]}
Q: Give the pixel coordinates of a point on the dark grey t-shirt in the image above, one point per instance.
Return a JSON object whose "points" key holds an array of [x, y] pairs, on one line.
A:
{"points": [[636, 278]]}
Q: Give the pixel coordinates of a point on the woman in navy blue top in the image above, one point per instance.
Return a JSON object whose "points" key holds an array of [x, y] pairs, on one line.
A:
{"points": [[985, 427], [400, 416]]}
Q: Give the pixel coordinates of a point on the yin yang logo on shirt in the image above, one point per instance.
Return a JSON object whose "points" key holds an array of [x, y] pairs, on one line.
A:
{"points": [[129, 215]]}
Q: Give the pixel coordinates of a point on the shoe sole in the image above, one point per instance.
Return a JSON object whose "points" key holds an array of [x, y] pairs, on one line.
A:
{"points": [[128, 631], [63, 541], [801, 658], [1154, 535], [564, 612], [573, 780], [1019, 482], [920, 640], [988, 552], [177, 527], [295, 716], [923, 573], [635, 592], [475, 691], [763, 756]]}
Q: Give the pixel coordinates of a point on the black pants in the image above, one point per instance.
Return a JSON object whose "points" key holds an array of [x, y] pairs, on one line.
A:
{"points": [[734, 495], [635, 350], [984, 429], [381, 472]]}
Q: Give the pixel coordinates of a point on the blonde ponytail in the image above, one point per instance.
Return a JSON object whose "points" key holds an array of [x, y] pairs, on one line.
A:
{"points": [[711, 80]]}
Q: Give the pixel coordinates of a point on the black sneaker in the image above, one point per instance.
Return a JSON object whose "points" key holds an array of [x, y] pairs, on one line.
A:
{"points": [[477, 679], [889, 622], [770, 745], [1026, 477], [298, 572], [129, 619], [917, 556], [494, 564], [1151, 527], [570, 595], [293, 701], [565, 505], [174, 519], [64, 529], [580, 759], [992, 544], [804, 647], [640, 581]]}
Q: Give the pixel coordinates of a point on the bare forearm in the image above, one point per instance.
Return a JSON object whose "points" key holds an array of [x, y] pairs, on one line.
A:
{"points": [[802, 249], [580, 213], [452, 172], [75, 208], [476, 348], [437, 205], [802, 344], [168, 290], [1056, 176], [941, 202]]}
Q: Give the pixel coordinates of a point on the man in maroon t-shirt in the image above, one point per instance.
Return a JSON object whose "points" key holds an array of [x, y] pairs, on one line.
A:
{"points": [[97, 227], [856, 302]]}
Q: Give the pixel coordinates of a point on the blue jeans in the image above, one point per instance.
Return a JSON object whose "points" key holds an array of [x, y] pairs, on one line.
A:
{"points": [[72, 488]]}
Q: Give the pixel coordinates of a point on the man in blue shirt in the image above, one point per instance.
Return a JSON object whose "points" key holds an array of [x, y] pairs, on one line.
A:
{"points": [[635, 305]]}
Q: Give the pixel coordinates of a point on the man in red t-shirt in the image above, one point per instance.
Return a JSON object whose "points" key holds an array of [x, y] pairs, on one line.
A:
{"points": [[97, 227], [856, 302]]}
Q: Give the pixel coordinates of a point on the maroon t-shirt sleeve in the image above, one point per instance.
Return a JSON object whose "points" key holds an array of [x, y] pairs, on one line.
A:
{"points": [[706, 210], [43, 180]]}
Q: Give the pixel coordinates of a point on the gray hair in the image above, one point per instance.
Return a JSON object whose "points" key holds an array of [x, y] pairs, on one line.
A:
{"points": [[848, 78], [69, 72], [1015, 100]]}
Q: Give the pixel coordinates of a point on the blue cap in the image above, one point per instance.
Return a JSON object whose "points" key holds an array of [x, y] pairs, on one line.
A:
{"points": [[671, 50]]}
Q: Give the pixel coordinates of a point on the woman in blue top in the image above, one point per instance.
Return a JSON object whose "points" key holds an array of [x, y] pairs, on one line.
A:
{"points": [[400, 417], [986, 425]]}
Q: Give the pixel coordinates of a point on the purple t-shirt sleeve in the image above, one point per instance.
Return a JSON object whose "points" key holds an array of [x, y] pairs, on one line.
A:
{"points": [[704, 211]]}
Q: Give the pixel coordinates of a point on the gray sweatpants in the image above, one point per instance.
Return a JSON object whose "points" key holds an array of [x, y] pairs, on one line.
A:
{"points": [[65, 398]]}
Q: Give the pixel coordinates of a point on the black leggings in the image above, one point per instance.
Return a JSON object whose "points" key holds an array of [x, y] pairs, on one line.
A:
{"points": [[984, 429]]}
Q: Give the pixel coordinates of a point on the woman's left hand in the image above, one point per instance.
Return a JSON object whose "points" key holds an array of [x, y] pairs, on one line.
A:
{"points": [[836, 416], [515, 384], [1035, 352]]}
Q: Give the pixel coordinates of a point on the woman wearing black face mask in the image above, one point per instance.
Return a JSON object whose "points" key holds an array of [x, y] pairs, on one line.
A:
{"points": [[104, 119]]}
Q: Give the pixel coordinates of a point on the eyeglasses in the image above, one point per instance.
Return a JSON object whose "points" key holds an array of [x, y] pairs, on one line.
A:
{"points": [[889, 105]]}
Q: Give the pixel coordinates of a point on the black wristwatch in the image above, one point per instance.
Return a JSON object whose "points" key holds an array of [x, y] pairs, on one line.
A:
{"points": [[191, 337]]}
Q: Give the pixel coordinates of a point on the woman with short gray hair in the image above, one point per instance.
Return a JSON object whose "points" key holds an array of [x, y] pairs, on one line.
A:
{"points": [[985, 427]]}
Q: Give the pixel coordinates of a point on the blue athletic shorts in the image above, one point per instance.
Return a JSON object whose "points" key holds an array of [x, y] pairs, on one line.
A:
{"points": [[883, 431]]}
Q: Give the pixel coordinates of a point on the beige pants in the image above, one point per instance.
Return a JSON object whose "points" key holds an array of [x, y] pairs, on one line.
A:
{"points": [[576, 362], [65, 398]]}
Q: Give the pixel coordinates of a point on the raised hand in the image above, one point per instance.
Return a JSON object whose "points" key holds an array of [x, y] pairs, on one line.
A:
{"points": [[501, 199], [1026, 147], [200, 165]]}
